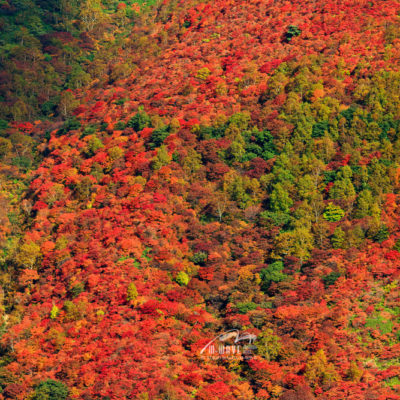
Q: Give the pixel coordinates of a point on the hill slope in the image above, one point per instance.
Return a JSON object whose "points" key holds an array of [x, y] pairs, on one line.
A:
{"points": [[243, 174]]}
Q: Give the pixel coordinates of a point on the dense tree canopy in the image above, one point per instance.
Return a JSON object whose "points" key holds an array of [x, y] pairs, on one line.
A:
{"points": [[172, 170]]}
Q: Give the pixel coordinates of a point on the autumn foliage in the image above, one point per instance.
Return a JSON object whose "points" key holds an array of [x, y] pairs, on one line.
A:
{"points": [[235, 165]]}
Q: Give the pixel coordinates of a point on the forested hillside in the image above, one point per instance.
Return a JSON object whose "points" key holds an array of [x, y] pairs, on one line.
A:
{"points": [[171, 170]]}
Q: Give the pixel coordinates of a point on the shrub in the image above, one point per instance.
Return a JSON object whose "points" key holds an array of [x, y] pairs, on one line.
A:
{"points": [[51, 390], [89, 130], [161, 159], [158, 136], [397, 245], [337, 238], [50, 106], [272, 274], [72, 311], [115, 153], [182, 278], [120, 102], [27, 254], [333, 213], [275, 218], [319, 370], [94, 144], [208, 132], [382, 234], [199, 258], [268, 345], [331, 278], [71, 124], [77, 290], [292, 32], [139, 121], [245, 307], [120, 126], [203, 73], [319, 129], [54, 312], [132, 292]]}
